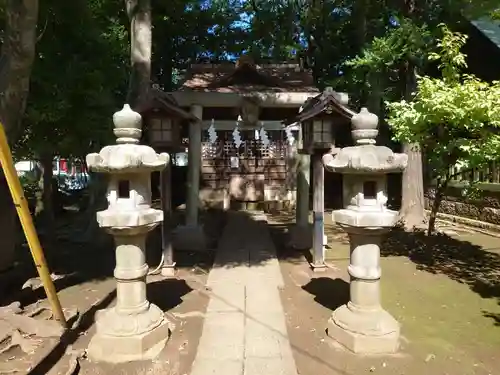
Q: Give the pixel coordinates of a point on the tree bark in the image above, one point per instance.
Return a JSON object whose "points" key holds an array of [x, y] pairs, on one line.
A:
{"points": [[360, 13], [412, 213], [438, 197], [16, 61], [139, 13]]}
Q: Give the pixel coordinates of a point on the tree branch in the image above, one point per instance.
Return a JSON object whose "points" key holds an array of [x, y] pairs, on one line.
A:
{"points": [[449, 177], [43, 31], [254, 6]]}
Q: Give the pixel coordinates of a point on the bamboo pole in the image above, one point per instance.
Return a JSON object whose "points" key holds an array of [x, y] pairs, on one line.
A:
{"points": [[23, 212]]}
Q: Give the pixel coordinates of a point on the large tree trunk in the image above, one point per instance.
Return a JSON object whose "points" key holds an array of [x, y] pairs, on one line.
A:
{"points": [[18, 53], [359, 15], [139, 13], [412, 212]]}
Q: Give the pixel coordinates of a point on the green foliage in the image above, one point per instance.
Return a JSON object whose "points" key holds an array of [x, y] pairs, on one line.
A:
{"points": [[78, 79], [450, 58], [455, 119], [407, 41]]}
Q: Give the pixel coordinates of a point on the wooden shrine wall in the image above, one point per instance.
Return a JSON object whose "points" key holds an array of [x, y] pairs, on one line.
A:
{"points": [[251, 173]]}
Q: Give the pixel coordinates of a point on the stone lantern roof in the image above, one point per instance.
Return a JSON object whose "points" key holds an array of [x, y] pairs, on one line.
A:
{"points": [[327, 102], [365, 157], [127, 156]]}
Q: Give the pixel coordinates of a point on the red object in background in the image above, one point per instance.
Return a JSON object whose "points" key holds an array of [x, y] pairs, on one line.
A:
{"points": [[63, 165]]}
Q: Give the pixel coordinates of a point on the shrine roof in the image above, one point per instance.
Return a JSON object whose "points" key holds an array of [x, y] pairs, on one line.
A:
{"points": [[244, 77], [327, 100]]}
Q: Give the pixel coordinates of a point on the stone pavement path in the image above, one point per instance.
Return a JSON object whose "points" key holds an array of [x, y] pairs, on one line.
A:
{"points": [[244, 332]]}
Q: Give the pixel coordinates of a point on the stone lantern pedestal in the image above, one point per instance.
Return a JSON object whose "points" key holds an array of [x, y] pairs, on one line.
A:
{"points": [[362, 325], [134, 329]]}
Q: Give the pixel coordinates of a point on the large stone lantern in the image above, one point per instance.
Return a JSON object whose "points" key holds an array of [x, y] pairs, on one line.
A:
{"points": [[362, 325], [134, 329]]}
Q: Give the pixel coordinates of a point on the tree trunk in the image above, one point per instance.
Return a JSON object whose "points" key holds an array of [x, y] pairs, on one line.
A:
{"points": [[412, 212], [18, 53], [360, 13], [438, 197], [9, 230], [139, 13]]}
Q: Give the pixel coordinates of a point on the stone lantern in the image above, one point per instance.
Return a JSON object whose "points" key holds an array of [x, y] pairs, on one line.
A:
{"points": [[134, 329], [362, 325]]}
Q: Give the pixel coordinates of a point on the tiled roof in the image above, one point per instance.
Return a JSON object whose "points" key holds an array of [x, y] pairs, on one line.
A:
{"points": [[228, 77]]}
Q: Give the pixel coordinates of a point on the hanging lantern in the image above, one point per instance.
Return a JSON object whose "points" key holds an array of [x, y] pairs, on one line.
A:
{"points": [[317, 135]]}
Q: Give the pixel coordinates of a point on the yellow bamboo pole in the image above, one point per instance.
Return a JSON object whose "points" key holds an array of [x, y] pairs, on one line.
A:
{"points": [[23, 212]]}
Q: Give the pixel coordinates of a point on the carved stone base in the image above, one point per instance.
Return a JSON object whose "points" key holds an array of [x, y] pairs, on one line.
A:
{"points": [[364, 332], [129, 337], [300, 237], [189, 238]]}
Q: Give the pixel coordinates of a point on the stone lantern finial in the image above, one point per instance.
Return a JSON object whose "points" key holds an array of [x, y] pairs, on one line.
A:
{"points": [[128, 125], [364, 127]]}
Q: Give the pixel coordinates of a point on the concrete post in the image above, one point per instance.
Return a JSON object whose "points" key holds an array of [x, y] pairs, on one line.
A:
{"points": [[168, 267], [301, 232], [194, 164], [191, 236], [303, 183], [318, 251]]}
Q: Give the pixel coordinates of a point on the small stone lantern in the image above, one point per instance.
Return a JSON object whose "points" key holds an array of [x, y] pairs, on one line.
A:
{"points": [[362, 325], [134, 329]]}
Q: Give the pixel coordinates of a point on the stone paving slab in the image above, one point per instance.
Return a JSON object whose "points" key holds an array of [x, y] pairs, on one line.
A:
{"points": [[244, 332]]}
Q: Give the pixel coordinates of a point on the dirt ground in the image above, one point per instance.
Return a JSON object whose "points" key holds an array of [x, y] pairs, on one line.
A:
{"points": [[88, 286], [445, 292]]}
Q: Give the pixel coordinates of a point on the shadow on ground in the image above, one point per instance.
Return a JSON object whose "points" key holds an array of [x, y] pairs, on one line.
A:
{"points": [[460, 260], [495, 317], [254, 257], [328, 292], [82, 261], [71, 336], [166, 294]]}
